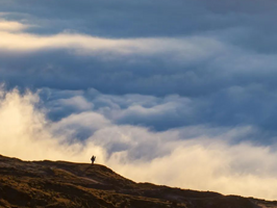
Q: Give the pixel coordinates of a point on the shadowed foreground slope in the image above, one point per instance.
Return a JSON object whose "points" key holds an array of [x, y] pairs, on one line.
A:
{"points": [[65, 184]]}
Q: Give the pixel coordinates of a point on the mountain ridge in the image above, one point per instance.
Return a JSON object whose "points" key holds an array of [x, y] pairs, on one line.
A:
{"points": [[65, 184]]}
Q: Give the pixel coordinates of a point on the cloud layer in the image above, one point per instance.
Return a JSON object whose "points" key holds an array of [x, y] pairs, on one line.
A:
{"points": [[196, 157]]}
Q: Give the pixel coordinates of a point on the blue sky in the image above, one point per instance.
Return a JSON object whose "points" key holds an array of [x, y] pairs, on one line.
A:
{"points": [[143, 83]]}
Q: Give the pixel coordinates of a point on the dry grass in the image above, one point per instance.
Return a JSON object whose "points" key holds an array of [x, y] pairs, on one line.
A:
{"points": [[63, 184]]}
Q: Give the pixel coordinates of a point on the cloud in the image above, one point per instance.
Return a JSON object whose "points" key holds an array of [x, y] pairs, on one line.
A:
{"points": [[26, 133], [11, 26], [185, 48], [76, 102], [216, 166], [191, 157], [193, 65], [235, 106]]}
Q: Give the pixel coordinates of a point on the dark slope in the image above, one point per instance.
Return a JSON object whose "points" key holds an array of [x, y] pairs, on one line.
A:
{"points": [[65, 184]]}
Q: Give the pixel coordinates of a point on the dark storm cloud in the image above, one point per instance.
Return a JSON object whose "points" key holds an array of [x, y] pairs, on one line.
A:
{"points": [[145, 18], [200, 62], [208, 115], [109, 18]]}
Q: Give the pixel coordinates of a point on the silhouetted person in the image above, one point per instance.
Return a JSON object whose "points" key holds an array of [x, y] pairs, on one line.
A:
{"points": [[93, 159]]}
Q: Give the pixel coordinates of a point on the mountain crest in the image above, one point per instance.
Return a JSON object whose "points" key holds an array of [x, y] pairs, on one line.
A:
{"points": [[65, 184]]}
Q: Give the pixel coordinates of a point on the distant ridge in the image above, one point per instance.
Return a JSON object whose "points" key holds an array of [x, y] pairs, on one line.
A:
{"points": [[63, 184]]}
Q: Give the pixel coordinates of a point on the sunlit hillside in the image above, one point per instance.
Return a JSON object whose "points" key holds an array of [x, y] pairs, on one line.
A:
{"points": [[65, 184]]}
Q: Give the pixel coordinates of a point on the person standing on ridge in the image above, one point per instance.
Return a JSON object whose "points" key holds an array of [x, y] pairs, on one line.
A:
{"points": [[93, 159]]}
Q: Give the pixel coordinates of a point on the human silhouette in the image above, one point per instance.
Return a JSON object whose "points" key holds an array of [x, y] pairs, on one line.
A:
{"points": [[93, 159]]}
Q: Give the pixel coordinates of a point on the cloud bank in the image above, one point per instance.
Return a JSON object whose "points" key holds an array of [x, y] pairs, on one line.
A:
{"points": [[196, 157]]}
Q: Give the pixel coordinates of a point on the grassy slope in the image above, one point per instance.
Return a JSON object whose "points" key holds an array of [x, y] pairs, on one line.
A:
{"points": [[65, 184]]}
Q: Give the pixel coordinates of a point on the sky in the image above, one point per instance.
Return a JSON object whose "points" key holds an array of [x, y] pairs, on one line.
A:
{"points": [[181, 93]]}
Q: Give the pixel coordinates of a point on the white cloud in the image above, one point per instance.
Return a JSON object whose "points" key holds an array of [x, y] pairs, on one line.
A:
{"points": [[85, 121], [26, 133], [78, 102], [196, 165], [191, 48], [12, 26]]}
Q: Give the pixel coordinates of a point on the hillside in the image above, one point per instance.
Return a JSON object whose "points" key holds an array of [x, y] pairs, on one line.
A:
{"points": [[64, 184]]}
